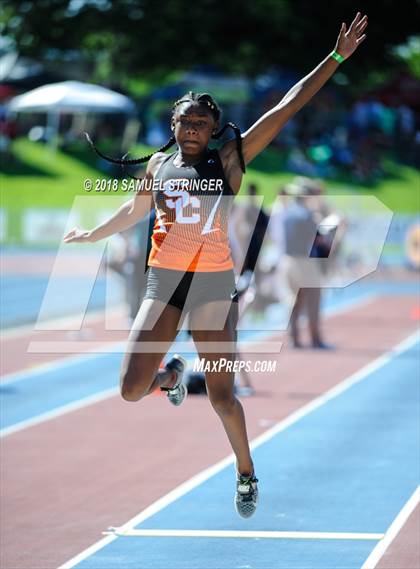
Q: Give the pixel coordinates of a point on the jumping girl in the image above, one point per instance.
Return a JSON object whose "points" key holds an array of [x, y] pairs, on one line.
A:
{"points": [[190, 266]]}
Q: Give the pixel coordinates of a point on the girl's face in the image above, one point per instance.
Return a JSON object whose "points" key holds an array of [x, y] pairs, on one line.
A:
{"points": [[192, 126]]}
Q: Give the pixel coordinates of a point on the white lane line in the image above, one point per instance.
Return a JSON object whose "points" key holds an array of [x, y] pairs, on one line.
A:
{"points": [[59, 411], [242, 534], [392, 532], [204, 475]]}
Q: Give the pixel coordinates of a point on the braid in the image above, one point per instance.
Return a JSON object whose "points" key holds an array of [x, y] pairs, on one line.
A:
{"points": [[238, 138], [123, 162], [127, 173]]}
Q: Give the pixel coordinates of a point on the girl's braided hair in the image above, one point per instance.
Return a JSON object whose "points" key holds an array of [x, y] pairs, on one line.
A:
{"points": [[201, 98]]}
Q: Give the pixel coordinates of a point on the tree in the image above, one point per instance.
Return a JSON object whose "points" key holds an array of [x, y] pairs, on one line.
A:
{"points": [[146, 38]]}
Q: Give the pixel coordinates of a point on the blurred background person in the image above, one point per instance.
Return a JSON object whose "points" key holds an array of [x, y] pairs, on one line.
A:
{"points": [[331, 225], [300, 224], [277, 240]]}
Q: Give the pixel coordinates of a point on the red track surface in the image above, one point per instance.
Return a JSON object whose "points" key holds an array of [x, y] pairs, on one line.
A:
{"points": [[66, 480], [404, 552]]}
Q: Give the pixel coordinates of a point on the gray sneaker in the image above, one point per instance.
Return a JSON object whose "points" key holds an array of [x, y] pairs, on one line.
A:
{"points": [[246, 497], [178, 392]]}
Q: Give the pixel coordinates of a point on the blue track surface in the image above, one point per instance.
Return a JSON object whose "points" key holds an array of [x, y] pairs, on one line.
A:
{"points": [[187, 553], [21, 296], [64, 384], [349, 465]]}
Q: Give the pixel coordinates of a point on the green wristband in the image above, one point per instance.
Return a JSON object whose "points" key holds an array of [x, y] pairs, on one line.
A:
{"points": [[337, 57]]}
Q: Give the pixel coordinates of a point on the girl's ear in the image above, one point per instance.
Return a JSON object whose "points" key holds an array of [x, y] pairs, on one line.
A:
{"points": [[172, 124]]}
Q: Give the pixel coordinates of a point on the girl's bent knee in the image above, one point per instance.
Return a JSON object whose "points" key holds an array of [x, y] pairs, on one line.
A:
{"points": [[130, 393], [134, 384]]}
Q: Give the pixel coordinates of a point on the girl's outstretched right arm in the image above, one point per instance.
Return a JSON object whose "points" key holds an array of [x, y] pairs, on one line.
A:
{"points": [[127, 215]]}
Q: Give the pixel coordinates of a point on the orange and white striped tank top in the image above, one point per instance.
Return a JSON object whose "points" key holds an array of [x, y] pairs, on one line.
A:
{"points": [[192, 205]]}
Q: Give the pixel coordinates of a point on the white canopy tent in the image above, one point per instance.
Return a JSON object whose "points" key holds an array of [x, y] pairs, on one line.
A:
{"points": [[73, 97]]}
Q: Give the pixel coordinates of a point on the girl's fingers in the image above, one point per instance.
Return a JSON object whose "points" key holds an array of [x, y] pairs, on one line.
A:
{"points": [[362, 25], [71, 236], [359, 40], [355, 21]]}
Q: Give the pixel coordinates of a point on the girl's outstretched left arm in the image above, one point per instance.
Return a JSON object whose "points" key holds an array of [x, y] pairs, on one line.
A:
{"points": [[262, 132]]}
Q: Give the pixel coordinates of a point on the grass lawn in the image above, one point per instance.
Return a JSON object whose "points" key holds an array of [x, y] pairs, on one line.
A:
{"points": [[40, 177]]}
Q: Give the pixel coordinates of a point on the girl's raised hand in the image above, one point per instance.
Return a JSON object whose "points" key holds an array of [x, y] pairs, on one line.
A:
{"points": [[349, 40]]}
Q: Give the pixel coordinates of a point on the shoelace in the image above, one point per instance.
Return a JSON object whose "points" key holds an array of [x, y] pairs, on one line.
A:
{"points": [[247, 479]]}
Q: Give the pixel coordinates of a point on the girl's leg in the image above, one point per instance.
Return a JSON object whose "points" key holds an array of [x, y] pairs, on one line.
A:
{"points": [[220, 384], [140, 373]]}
